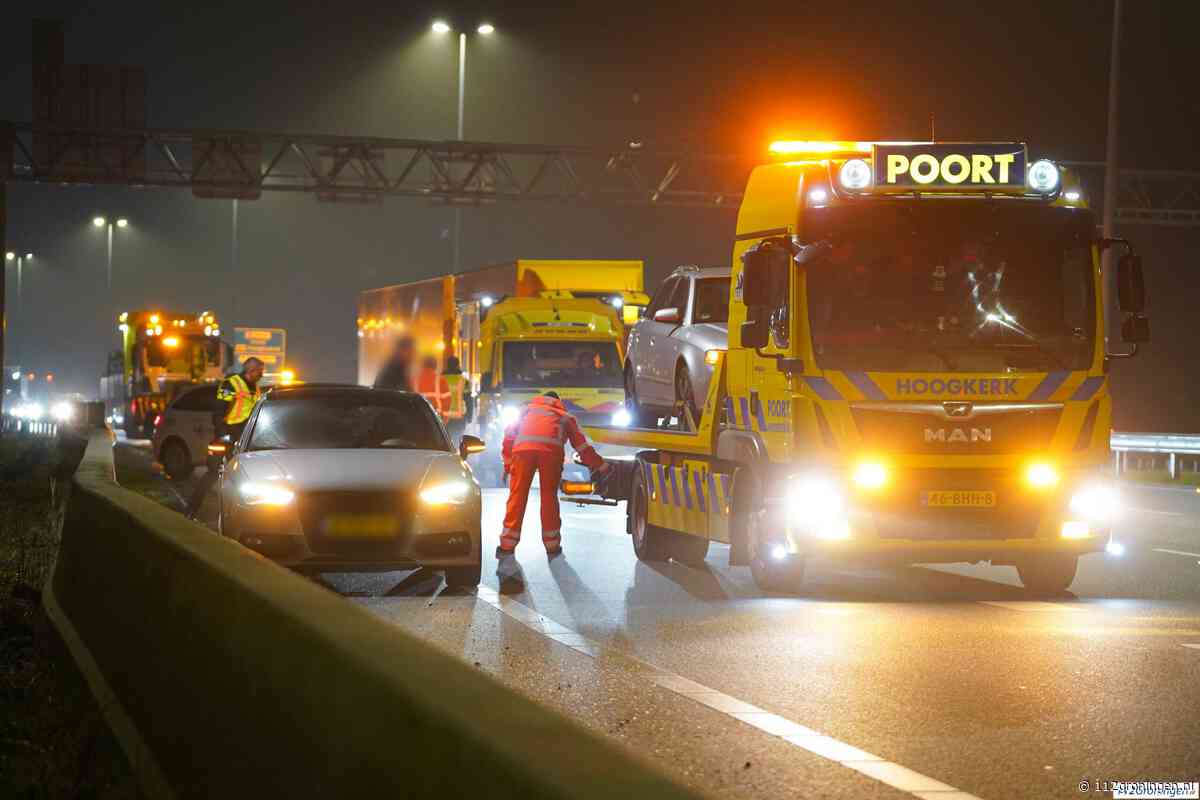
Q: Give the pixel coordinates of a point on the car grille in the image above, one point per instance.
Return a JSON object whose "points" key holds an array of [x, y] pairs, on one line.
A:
{"points": [[1017, 431], [355, 524], [899, 514]]}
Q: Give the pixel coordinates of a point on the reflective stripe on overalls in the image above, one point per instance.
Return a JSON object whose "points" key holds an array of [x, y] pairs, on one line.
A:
{"points": [[241, 401], [555, 439]]}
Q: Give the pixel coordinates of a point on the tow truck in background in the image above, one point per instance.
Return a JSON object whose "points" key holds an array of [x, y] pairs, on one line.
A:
{"points": [[519, 329], [916, 372], [162, 353]]}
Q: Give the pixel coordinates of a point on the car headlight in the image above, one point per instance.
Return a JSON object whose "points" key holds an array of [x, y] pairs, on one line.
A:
{"points": [[509, 415], [1096, 502], [63, 412], [265, 494], [445, 494], [622, 418]]}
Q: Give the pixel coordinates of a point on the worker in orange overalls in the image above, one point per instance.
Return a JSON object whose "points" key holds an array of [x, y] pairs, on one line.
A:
{"points": [[433, 387], [535, 443]]}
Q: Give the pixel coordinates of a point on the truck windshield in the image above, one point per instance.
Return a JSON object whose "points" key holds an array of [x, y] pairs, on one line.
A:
{"points": [[546, 365], [183, 354], [952, 285]]}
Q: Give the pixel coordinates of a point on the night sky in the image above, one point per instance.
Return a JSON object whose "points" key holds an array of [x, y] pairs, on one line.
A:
{"points": [[721, 78]]}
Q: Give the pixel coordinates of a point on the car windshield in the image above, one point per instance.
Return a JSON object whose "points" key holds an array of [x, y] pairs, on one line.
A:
{"points": [[547, 365], [347, 420], [971, 287], [711, 303]]}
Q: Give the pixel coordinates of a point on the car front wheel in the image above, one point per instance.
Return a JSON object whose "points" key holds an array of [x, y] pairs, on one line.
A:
{"points": [[176, 461]]}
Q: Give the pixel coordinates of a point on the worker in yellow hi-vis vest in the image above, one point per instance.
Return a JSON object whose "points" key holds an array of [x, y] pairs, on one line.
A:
{"points": [[236, 398]]}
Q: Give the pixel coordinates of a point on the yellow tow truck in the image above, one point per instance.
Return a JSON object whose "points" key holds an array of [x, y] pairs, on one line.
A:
{"points": [[916, 372]]}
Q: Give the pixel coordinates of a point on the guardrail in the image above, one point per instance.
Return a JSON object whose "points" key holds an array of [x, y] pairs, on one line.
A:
{"points": [[1175, 446], [224, 675], [31, 427]]}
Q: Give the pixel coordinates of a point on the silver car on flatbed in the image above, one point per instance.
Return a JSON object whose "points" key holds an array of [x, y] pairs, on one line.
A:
{"points": [[334, 478], [673, 349]]}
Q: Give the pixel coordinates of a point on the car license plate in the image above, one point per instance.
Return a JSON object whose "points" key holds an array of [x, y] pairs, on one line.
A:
{"points": [[362, 526], [959, 499]]}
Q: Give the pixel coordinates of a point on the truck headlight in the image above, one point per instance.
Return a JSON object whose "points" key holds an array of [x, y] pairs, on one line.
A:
{"points": [[1096, 502], [622, 418], [446, 494], [265, 494], [1041, 475], [870, 475], [816, 503]]}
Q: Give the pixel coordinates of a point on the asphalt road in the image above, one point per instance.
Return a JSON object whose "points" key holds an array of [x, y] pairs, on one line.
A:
{"points": [[947, 682]]}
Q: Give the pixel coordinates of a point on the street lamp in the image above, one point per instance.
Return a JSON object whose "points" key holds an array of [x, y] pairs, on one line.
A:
{"points": [[20, 259], [101, 222], [483, 29]]}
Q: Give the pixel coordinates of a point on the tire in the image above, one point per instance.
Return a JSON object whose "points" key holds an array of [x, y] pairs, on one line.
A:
{"points": [[649, 541], [770, 574], [464, 577], [176, 461], [130, 427], [642, 418], [684, 393], [1048, 575]]}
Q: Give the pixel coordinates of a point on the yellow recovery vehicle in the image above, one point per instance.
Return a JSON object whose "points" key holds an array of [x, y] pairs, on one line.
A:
{"points": [[519, 329], [916, 372]]}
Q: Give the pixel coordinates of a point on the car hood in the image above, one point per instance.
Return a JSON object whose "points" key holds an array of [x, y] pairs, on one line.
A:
{"points": [[315, 470]]}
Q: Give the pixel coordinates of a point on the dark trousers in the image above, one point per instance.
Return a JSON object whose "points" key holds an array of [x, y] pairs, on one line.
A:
{"points": [[212, 472]]}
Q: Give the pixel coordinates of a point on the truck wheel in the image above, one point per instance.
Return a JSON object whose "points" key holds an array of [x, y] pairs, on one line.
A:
{"points": [[649, 541], [1048, 575], [771, 574], [176, 461], [687, 548]]}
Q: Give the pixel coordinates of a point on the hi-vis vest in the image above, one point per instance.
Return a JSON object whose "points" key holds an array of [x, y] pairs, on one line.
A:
{"points": [[456, 384], [545, 426], [241, 400]]}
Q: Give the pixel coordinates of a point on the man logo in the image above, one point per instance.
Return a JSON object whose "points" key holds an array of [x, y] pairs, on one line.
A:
{"points": [[958, 409], [957, 435]]}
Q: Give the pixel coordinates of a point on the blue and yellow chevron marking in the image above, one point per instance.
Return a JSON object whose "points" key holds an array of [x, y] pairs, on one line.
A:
{"points": [[855, 386], [684, 500]]}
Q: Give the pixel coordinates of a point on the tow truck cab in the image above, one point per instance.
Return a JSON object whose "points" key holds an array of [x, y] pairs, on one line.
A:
{"points": [[916, 369]]}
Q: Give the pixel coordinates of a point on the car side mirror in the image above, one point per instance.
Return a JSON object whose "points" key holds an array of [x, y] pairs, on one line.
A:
{"points": [[1135, 329], [469, 445], [667, 315], [1131, 285], [755, 333]]}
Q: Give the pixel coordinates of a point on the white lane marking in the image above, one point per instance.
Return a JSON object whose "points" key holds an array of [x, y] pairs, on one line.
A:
{"points": [[1176, 552], [815, 742], [1030, 605]]}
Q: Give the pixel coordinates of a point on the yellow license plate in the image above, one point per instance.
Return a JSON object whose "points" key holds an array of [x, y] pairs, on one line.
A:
{"points": [[362, 526], [959, 499]]}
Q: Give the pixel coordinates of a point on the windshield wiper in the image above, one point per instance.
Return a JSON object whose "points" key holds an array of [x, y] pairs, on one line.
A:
{"points": [[1058, 360]]}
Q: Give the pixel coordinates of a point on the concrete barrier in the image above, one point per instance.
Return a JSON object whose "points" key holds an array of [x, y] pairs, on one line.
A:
{"points": [[226, 676]]}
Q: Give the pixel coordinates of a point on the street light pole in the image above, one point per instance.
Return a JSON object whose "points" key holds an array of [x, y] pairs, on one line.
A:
{"points": [[101, 222], [1108, 280], [484, 29]]}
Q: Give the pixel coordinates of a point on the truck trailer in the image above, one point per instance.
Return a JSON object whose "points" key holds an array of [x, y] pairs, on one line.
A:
{"points": [[917, 372]]}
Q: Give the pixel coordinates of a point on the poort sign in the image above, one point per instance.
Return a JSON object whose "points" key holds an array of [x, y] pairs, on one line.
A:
{"points": [[964, 165]]}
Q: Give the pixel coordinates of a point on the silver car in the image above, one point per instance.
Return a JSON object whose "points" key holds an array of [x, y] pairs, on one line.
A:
{"points": [[673, 349], [334, 478], [184, 430]]}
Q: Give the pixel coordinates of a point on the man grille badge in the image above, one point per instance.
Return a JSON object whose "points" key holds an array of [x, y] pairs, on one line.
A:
{"points": [[958, 409]]}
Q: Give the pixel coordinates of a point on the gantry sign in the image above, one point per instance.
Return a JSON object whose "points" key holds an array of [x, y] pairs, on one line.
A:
{"points": [[243, 164]]}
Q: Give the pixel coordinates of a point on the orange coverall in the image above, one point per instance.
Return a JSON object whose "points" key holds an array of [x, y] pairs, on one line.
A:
{"points": [[534, 443]]}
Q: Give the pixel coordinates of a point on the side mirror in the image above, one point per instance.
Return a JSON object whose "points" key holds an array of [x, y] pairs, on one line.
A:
{"points": [[1135, 329], [1131, 286], [755, 333], [470, 445], [667, 315]]}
